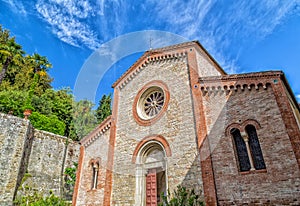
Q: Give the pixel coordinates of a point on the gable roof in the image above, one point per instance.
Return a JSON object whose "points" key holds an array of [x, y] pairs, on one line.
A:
{"points": [[168, 52]]}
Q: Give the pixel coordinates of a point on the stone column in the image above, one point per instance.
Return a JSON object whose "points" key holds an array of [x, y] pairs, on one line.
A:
{"points": [[246, 139]]}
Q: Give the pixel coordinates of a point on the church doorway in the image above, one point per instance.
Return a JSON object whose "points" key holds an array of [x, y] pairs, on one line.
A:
{"points": [[155, 187], [151, 178]]}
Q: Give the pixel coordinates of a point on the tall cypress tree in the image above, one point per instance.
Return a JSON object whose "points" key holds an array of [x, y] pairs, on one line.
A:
{"points": [[104, 108]]}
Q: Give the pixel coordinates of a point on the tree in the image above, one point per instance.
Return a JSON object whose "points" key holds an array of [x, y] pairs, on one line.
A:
{"points": [[26, 84], [11, 53], [58, 103], [12, 101], [39, 66], [84, 118], [47, 123], [104, 108]]}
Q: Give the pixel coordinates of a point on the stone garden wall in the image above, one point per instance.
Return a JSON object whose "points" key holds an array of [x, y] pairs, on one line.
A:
{"points": [[33, 160]]}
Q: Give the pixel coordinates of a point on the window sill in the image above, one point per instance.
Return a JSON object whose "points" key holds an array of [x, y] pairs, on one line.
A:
{"points": [[253, 172]]}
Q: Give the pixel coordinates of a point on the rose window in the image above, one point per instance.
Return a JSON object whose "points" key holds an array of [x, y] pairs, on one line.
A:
{"points": [[151, 102]]}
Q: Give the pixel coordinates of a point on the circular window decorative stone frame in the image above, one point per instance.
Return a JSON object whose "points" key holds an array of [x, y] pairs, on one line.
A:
{"points": [[148, 106]]}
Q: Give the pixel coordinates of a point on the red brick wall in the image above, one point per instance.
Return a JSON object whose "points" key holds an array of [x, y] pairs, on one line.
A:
{"points": [[280, 183]]}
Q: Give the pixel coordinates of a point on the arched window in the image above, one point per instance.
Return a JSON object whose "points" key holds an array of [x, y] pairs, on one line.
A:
{"points": [[95, 170], [241, 150], [256, 152]]}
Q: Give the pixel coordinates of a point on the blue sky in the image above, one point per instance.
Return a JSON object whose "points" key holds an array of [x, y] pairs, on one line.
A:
{"points": [[243, 36]]}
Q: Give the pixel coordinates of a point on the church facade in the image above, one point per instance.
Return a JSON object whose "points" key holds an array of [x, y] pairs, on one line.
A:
{"points": [[179, 119]]}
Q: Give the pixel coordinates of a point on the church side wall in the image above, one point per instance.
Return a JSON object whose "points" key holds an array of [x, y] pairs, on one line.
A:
{"points": [[14, 142], [176, 126], [279, 184], [98, 151]]}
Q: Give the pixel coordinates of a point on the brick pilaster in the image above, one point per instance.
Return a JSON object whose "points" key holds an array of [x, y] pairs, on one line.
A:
{"points": [[201, 130], [288, 117], [78, 175]]}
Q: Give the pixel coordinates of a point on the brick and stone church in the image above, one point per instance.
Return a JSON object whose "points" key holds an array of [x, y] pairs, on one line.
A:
{"points": [[179, 119]]}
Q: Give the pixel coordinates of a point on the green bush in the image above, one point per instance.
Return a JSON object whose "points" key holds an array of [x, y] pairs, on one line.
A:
{"points": [[181, 197], [70, 173], [37, 199], [12, 101], [50, 124]]}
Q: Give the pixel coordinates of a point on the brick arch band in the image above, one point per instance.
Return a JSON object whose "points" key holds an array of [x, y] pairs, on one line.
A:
{"points": [[241, 126], [145, 140], [95, 161]]}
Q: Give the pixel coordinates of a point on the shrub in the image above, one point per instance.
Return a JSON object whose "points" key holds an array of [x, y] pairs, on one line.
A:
{"points": [[70, 173], [50, 124], [12, 101], [181, 197], [37, 199]]}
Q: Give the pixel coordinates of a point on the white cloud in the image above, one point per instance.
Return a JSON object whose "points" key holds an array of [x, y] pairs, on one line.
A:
{"points": [[83, 22], [67, 19], [101, 6], [16, 6], [298, 97], [219, 24]]}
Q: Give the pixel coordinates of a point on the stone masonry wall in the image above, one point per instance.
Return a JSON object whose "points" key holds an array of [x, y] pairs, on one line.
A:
{"points": [[71, 158], [280, 183], [14, 139], [34, 158], [50, 155], [176, 126], [205, 67]]}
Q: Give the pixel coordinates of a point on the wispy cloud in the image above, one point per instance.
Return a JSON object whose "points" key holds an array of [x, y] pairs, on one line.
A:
{"points": [[219, 24], [68, 21], [16, 6], [83, 22]]}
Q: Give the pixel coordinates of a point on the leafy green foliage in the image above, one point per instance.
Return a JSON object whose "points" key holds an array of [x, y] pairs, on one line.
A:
{"points": [[70, 173], [37, 199], [104, 108], [84, 118], [11, 53], [58, 103], [31, 91], [50, 124], [12, 102], [26, 84], [182, 197]]}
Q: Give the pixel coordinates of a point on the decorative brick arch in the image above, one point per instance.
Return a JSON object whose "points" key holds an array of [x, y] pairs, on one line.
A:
{"points": [[242, 126], [251, 122], [158, 138], [95, 161]]}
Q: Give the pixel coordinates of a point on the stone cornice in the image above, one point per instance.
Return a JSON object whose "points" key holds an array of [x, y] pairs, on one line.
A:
{"points": [[150, 57], [252, 75], [97, 132], [163, 54], [242, 81]]}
